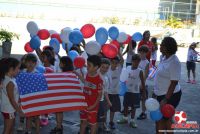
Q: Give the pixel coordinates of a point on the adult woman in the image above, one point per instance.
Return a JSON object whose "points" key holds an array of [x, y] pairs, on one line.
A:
{"points": [[166, 82], [145, 41]]}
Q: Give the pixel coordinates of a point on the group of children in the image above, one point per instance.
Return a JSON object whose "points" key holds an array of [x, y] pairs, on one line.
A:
{"points": [[100, 87]]}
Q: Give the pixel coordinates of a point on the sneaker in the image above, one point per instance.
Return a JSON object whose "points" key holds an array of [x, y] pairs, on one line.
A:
{"points": [[188, 81], [20, 128], [28, 132], [122, 121], [44, 121], [106, 128], [112, 125], [142, 116], [57, 131], [193, 82], [133, 124]]}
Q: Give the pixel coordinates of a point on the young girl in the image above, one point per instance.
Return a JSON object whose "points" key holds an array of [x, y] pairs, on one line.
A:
{"points": [[10, 96], [191, 59], [66, 65], [154, 51], [30, 62]]}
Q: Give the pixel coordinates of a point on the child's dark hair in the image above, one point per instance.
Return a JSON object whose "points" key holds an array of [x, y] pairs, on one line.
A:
{"points": [[116, 59], [23, 66], [95, 60], [67, 64], [105, 61], [49, 56], [154, 39], [136, 57], [48, 48], [143, 48], [31, 57], [6, 64], [134, 44]]}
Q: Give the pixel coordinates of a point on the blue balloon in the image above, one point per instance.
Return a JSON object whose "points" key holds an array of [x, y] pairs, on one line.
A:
{"points": [[113, 32], [101, 35], [123, 88], [73, 54], [156, 115], [137, 36], [55, 44], [75, 37], [35, 42], [40, 69]]}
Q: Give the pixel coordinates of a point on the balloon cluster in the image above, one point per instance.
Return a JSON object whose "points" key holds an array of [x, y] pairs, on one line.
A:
{"points": [[157, 113]]}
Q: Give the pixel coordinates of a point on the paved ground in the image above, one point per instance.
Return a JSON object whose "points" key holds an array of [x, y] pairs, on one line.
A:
{"points": [[189, 103]]}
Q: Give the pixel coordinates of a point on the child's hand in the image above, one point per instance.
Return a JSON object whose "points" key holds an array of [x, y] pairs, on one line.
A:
{"points": [[21, 113], [109, 104], [89, 108]]}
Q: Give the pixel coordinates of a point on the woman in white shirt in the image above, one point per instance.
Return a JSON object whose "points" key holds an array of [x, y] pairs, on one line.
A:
{"points": [[167, 89]]}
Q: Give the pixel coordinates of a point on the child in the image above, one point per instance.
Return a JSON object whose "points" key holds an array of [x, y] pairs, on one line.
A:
{"points": [[66, 65], [93, 92], [144, 65], [9, 93], [132, 96], [154, 51], [191, 59], [130, 50], [30, 62], [105, 101], [113, 92]]}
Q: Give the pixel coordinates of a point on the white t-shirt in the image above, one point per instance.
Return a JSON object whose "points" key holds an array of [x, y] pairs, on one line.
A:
{"points": [[56, 65], [105, 84], [129, 56], [154, 55], [133, 80], [6, 106], [143, 64], [168, 69], [191, 55], [114, 78]]}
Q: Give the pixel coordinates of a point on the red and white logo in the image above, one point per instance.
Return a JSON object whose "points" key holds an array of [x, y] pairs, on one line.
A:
{"points": [[180, 117]]}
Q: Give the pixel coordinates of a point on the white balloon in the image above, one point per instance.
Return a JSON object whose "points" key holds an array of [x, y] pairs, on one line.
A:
{"points": [[64, 35], [152, 104], [84, 55], [122, 37], [32, 28], [92, 47], [52, 32]]}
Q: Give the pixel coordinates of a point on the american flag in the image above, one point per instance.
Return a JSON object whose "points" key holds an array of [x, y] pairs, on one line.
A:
{"points": [[152, 72], [49, 93]]}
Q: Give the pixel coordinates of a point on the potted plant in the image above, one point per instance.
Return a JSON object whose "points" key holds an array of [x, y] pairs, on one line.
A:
{"points": [[6, 38]]}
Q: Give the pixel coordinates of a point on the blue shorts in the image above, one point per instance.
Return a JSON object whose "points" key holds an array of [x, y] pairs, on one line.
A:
{"points": [[132, 100]]}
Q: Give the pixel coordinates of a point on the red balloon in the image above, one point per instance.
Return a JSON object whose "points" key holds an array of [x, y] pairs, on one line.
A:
{"points": [[128, 39], [110, 50], [79, 62], [88, 30], [168, 110], [57, 36], [43, 34], [28, 48], [116, 43]]}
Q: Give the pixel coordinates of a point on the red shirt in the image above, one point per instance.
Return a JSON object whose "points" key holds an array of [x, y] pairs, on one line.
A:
{"points": [[149, 44], [92, 88]]}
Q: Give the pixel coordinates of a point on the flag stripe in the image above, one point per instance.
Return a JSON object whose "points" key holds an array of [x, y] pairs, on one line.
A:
{"points": [[52, 98], [46, 103], [63, 84], [59, 76], [63, 81], [55, 106], [64, 87], [51, 91], [50, 95], [62, 109]]}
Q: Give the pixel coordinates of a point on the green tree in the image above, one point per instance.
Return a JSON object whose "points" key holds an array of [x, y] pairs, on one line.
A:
{"points": [[173, 22]]}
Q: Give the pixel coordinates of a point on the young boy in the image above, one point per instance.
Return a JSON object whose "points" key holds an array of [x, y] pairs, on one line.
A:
{"points": [[93, 93], [144, 65], [132, 96], [113, 92], [105, 101]]}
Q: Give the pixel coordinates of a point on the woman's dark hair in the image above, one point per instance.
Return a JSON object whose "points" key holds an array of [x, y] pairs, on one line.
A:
{"points": [[170, 45], [48, 48], [76, 48], [6, 65], [67, 64], [145, 32], [49, 56], [31, 57]]}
